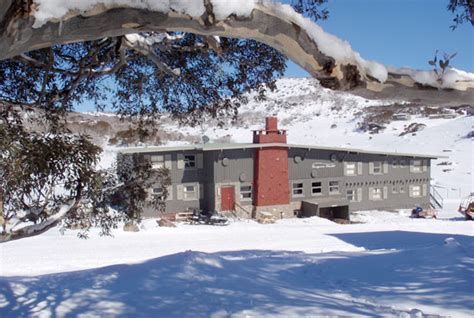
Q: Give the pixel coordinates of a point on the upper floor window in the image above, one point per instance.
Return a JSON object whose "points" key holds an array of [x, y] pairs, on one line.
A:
{"points": [[402, 163], [378, 167], [298, 189], [351, 169], [316, 188], [189, 161], [394, 163], [416, 166], [333, 187]]}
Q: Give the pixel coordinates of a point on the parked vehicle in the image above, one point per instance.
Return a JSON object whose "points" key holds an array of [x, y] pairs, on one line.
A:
{"points": [[466, 207], [418, 212], [210, 218]]}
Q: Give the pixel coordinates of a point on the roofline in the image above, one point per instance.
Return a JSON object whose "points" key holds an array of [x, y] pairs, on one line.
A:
{"points": [[210, 147]]}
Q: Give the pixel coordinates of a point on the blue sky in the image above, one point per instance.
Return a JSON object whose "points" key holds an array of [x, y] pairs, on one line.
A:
{"points": [[398, 32], [393, 32]]}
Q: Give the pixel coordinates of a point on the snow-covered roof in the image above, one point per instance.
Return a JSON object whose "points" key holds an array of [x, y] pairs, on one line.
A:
{"points": [[228, 146]]}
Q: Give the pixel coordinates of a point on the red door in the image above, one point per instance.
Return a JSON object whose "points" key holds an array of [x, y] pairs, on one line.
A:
{"points": [[227, 198]]}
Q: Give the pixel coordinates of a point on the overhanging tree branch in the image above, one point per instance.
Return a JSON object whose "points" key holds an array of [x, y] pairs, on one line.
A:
{"points": [[268, 23]]}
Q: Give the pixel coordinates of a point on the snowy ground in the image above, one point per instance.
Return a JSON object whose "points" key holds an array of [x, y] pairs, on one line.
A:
{"points": [[388, 265]]}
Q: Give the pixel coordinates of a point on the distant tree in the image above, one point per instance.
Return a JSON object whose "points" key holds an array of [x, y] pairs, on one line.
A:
{"points": [[135, 178], [441, 64], [463, 11]]}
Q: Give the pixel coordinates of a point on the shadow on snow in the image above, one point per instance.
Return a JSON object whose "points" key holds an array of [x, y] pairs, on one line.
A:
{"points": [[401, 268]]}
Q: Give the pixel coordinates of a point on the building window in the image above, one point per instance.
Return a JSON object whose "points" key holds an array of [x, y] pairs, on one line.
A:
{"points": [[189, 161], [416, 166], [376, 193], [402, 163], [402, 189], [394, 189], [395, 163], [157, 193], [246, 192], [298, 189], [316, 188], [351, 169], [415, 191], [333, 187], [352, 195], [190, 192], [157, 162], [378, 168]]}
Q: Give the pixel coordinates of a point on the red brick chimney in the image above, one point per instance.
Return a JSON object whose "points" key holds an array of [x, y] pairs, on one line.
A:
{"points": [[271, 134], [271, 166]]}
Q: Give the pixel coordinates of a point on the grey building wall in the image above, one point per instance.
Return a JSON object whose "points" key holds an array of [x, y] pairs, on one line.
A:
{"points": [[308, 166], [235, 167]]}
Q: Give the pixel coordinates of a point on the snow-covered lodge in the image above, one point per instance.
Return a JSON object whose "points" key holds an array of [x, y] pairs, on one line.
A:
{"points": [[288, 180]]}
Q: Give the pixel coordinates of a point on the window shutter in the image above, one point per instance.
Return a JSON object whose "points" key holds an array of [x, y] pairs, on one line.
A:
{"points": [[385, 167], [359, 168], [411, 165], [385, 192], [179, 190], [359, 194], [201, 191], [168, 161], [345, 168], [170, 193], [425, 165], [371, 193], [180, 161], [200, 160], [424, 189], [371, 168]]}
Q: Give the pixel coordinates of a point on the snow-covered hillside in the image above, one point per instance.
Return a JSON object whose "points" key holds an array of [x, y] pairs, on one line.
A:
{"points": [[317, 116]]}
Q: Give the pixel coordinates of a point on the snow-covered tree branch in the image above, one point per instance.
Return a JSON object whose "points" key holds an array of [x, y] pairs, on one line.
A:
{"points": [[43, 23]]}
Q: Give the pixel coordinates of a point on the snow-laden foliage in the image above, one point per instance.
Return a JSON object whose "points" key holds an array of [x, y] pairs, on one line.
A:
{"points": [[49, 179]]}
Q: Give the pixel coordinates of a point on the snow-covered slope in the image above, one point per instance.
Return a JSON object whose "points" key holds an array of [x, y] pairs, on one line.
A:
{"points": [[317, 116]]}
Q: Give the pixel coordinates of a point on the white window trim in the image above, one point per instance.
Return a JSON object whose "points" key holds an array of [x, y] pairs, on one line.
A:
{"points": [[350, 167], [376, 191], [181, 190], [316, 187], [418, 167], [338, 188], [418, 193], [185, 161], [293, 195], [246, 192], [354, 195]]}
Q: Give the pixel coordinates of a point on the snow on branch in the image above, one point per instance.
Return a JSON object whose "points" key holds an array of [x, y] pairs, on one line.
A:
{"points": [[324, 56], [36, 229]]}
